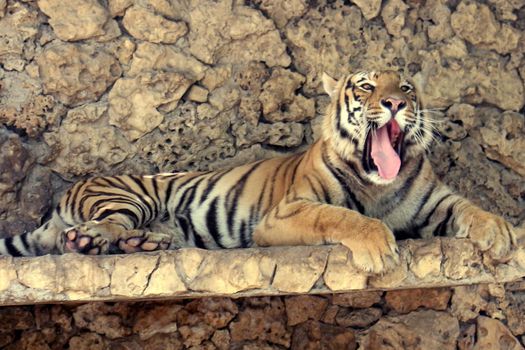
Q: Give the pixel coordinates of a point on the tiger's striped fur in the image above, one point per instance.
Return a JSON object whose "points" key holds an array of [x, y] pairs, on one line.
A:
{"points": [[329, 194]]}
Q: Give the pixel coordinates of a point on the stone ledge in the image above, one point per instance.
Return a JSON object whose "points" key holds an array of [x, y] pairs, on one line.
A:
{"points": [[191, 272]]}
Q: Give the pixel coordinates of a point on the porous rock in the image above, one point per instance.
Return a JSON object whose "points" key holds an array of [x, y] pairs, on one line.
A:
{"points": [[393, 14], [18, 30], [315, 335], [157, 79], [76, 74], [501, 141], [303, 307], [133, 101], [357, 299], [439, 13], [250, 36], [319, 45], [370, 8], [468, 301], [262, 320], [492, 334], [281, 12], [105, 147], [154, 320], [79, 19], [476, 23], [101, 319], [279, 101], [88, 341], [358, 318], [481, 80], [146, 25], [404, 301], [411, 331]]}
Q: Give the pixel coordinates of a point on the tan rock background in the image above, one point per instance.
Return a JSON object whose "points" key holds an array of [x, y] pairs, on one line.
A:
{"points": [[120, 86]]}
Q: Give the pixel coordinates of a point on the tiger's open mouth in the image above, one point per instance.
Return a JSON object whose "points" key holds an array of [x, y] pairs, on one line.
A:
{"points": [[384, 150]]}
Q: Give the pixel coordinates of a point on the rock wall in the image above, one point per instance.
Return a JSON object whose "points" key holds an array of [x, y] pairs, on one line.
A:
{"points": [[121, 86], [483, 317]]}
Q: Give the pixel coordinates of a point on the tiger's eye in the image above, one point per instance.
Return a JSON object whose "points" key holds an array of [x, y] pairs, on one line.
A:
{"points": [[367, 87], [406, 88]]}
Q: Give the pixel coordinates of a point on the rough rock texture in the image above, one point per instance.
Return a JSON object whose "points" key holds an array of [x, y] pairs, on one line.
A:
{"points": [[79, 19], [145, 25], [193, 272], [244, 78], [259, 323], [76, 73], [120, 86]]}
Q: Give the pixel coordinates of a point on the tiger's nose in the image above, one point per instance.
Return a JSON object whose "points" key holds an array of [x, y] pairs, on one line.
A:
{"points": [[393, 104]]}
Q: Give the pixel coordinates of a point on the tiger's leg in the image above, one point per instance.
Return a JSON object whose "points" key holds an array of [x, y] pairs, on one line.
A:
{"points": [[449, 214], [302, 222], [115, 230]]}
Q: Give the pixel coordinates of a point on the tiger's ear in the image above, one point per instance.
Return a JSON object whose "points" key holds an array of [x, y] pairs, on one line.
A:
{"points": [[329, 84]]}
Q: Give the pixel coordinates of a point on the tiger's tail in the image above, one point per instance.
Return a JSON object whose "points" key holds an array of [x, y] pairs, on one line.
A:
{"points": [[32, 243]]}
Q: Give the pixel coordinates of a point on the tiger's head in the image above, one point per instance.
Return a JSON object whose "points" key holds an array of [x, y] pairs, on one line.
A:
{"points": [[375, 119]]}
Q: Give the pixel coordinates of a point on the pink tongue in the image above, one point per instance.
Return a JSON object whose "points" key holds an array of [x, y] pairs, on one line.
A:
{"points": [[384, 156]]}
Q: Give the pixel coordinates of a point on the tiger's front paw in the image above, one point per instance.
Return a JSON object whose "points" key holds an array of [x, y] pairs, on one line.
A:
{"points": [[491, 233], [374, 250]]}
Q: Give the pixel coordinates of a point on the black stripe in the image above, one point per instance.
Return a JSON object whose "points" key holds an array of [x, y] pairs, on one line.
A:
{"points": [[211, 184], [351, 200], [184, 226], [261, 198], [71, 202], [168, 192], [294, 171], [316, 193], [211, 222], [353, 169], [155, 183], [114, 199], [272, 182], [342, 132], [326, 194], [426, 222], [197, 239], [109, 182], [422, 201], [107, 212], [188, 195], [252, 216], [141, 197], [243, 235], [441, 229], [11, 249], [153, 210], [25, 242], [238, 189]]}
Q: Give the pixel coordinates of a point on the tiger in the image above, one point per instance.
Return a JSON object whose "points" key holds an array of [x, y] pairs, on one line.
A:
{"points": [[365, 183]]}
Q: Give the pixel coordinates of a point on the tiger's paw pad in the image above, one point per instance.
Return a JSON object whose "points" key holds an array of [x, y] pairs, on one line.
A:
{"points": [[377, 253], [75, 240], [148, 242]]}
